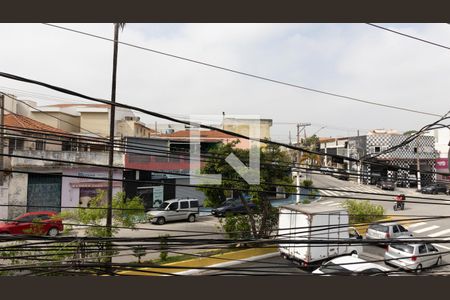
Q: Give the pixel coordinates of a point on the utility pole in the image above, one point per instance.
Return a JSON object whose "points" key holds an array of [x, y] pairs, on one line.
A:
{"points": [[303, 126], [112, 119], [2, 118], [419, 184]]}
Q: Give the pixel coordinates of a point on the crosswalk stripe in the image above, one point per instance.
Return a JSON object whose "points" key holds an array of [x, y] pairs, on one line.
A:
{"points": [[439, 233], [326, 202], [416, 224], [426, 229]]}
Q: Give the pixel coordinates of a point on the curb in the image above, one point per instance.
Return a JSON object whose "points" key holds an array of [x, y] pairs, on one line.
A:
{"points": [[228, 264], [189, 266]]}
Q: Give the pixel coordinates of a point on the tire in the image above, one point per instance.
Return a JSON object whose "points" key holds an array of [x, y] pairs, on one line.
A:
{"points": [[53, 231], [160, 221], [395, 207], [191, 218], [418, 269], [354, 252], [439, 261]]}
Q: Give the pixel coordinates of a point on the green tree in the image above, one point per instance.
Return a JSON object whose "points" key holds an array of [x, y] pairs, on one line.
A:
{"points": [[259, 223], [311, 142]]}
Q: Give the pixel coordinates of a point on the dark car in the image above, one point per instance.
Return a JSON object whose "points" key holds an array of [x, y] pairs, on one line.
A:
{"points": [[386, 184], [340, 174], [38, 222], [434, 188], [233, 207]]}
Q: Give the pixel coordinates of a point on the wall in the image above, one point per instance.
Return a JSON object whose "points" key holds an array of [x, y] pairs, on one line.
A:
{"points": [[49, 118], [17, 194], [70, 191], [96, 122], [84, 157]]}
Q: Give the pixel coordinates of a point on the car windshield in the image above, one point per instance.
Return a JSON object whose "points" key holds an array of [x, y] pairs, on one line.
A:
{"points": [[378, 227], [163, 205], [331, 267], [403, 247]]}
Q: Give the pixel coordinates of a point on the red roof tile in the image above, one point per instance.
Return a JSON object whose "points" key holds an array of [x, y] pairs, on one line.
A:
{"points": [[19, 121]]}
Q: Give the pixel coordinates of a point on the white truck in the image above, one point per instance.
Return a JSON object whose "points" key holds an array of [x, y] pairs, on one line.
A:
{"points": [[315, 222]]}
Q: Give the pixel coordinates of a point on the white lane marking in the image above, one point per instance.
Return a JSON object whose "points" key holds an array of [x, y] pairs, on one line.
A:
{"points": [[334, 204], [439, 233], [440, 246], [415, 225], [326, 202], [426, 229]]}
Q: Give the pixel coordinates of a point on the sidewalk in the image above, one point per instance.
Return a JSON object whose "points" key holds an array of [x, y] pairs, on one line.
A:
{"points": [[189, 267]]}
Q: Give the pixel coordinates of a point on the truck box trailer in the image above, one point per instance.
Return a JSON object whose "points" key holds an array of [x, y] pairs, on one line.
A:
{"points": [[315, 222]]}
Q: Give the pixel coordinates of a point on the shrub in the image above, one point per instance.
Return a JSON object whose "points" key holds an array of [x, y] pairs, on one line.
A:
{"points": [[307, 183], [363, 211]]}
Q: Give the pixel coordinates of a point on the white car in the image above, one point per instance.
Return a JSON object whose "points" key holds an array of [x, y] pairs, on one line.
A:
{"points": [[351, 265], [174, 210], [414, 257], [386, 231]]}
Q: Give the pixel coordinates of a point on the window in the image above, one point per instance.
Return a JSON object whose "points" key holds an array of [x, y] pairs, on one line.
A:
{"points": [[402, 229], [373, 272], [331, 267], [40, 145], [15, 144], [422, 249], [194, 203], [26, 219], [378, 227], [404, 248], [431, 248], [184, 204], [173, 206], [415, 149], [377, 149], [395, 229]]}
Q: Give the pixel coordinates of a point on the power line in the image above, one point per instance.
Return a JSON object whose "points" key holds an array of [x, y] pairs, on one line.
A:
{"points": [[162, 116], [409, 36], [248, 74]]}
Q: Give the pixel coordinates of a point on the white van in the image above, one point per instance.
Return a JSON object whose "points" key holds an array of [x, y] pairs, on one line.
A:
{"points": [[175, 210]]}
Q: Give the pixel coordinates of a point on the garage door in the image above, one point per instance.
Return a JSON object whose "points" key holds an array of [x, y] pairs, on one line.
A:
{"points": [[44, 192]]}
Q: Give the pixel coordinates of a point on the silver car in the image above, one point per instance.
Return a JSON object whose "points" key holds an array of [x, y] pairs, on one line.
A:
{"points": [[386, 231], [174, 210], [413, 257]]}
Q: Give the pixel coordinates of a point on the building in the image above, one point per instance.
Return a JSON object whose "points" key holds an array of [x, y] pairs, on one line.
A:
{"points": [[442, 145], [419, 154], [37, 176], [243, 126], [91, 119]]}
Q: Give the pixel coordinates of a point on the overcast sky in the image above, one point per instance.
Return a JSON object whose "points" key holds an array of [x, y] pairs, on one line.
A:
{"points": [[356, 60]]}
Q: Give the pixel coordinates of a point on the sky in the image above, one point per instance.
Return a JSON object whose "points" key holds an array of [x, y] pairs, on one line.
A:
{"points": [[355, 60]]}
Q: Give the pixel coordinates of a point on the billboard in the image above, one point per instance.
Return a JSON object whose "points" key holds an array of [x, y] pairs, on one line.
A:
{"points": [[442, 164]]}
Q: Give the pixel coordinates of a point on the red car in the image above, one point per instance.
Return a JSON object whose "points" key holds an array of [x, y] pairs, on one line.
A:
{"points": [[37, 222]]}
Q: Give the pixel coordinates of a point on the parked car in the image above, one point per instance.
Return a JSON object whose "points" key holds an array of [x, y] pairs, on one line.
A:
{"points": [[414, 257], [174, 210], [351, 265], [386, 184], [232, 206], [434, 188], [326, 170], [340, 174], [38, 222], [386, 231]]}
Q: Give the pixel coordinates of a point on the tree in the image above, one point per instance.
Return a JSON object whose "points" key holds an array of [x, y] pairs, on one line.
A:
{"points": [[259, 223], [311, 142]]}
